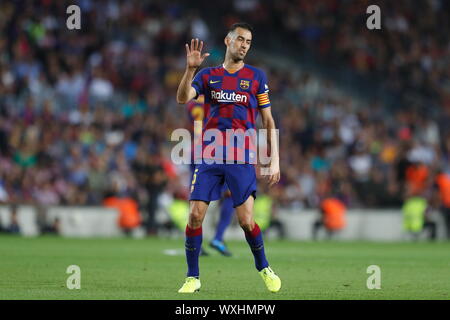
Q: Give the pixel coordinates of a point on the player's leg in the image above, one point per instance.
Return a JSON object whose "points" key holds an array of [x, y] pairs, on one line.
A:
{"points": [[329, 233], [193, 243], [254, 238], [226, 214], [203, 252], [446, 215], [252, 232], [206, 185], [276, 224], [316, 227], [241, 179], [430, 228], [194, 235]]}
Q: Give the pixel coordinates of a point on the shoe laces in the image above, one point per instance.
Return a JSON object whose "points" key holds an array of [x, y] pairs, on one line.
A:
{"points": [[269, 272], [190, 279]]}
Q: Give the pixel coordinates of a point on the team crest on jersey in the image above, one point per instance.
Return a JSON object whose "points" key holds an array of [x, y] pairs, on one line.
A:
{"points": [[244, 84]]}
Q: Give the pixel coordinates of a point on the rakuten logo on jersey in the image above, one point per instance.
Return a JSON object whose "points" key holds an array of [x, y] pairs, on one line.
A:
{"points": [[228, 97]]}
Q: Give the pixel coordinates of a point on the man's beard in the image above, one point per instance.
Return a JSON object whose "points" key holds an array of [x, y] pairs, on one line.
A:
{"points": [[237, 58]]}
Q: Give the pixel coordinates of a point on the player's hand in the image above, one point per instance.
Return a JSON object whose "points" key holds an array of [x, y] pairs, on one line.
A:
{"points": [[274, 174], [194, 56]]}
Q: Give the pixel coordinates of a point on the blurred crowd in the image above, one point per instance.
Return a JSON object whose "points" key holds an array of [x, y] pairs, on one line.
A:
{"points": [[89, 113], [410, 54]]}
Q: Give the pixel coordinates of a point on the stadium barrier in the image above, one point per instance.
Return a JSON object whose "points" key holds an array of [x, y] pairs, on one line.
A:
{"points": [[73, 221], [26, 217], [361, 224]]}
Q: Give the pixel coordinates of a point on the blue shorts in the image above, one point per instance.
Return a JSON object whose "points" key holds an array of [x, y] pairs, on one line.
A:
{"points": [[193, 166], [211, 180]]}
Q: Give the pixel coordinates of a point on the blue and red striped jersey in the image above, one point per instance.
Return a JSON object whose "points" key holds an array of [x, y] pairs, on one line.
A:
{"points": [[196, 111], [232, 101]]}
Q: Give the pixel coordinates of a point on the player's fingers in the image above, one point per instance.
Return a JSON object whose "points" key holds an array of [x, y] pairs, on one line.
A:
{"points": [[267, 174], [200, 47], [275, 178], [192, 44], [271, 180], [196, 44], [205, 55], [187, 49]]}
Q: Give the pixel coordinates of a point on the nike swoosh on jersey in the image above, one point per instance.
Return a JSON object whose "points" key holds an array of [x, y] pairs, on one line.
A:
{"points": [[211, 82]]}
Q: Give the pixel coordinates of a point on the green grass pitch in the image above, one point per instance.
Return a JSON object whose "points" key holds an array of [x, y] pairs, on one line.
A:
{"points": [[154, 268]]}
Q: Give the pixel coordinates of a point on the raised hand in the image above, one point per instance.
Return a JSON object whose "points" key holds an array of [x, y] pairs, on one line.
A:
{"points": [[194, 56], [274, 176]]}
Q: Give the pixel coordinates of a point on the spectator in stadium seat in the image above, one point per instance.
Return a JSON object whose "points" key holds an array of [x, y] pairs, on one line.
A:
{"points": [[150, 173], [129, 216], [332, 217], [14, 224], [53, 228], [266, 211], [417, 217], [417, 175], [442, 186]]}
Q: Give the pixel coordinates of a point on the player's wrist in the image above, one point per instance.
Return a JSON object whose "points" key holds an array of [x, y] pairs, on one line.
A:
{"points": [[275, 161], [275, 165]]}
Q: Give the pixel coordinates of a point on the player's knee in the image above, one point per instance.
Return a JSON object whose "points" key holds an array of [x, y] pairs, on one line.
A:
{"points": [[196, 217], [246, 223]]}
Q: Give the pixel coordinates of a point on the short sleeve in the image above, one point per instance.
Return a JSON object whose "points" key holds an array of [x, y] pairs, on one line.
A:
{"points": [[262, 94], [197, 82]]}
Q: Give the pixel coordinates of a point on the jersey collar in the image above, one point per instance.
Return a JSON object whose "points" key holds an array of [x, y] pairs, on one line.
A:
{"points": [[223, 66]]}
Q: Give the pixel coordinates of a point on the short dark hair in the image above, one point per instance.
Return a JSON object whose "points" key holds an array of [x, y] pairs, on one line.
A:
{"points": [[243, 25]]}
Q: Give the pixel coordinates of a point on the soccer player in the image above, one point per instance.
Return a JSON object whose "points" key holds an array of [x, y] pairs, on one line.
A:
{"points": [[196, 112], [234, 92]]}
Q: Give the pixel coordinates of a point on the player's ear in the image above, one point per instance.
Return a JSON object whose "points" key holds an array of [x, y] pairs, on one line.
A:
{"points": [[226, 41]]}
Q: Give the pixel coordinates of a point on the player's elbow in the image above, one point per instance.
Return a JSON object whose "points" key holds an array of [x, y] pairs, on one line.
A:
{"points": [[181, 101], [184, 96]]}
